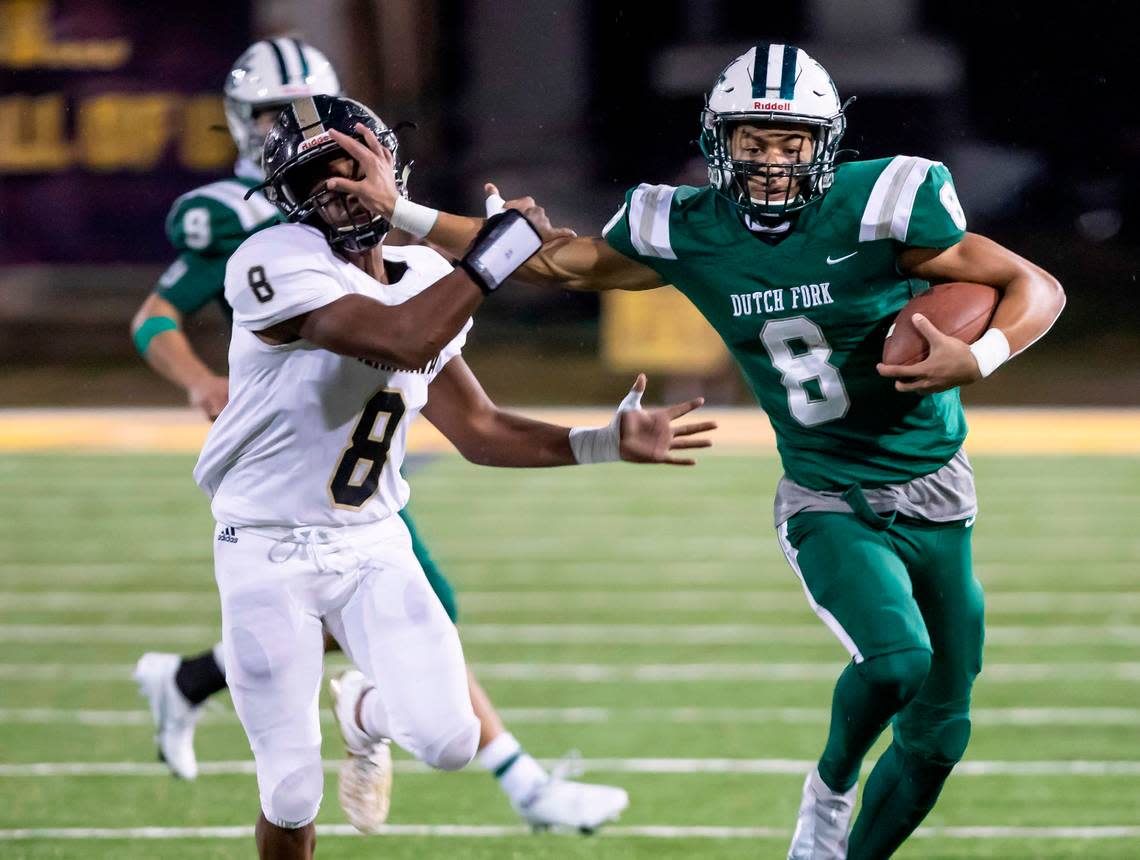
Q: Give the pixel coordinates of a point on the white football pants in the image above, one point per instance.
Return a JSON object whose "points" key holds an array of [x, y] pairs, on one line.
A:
{"points": [[277, 587]]}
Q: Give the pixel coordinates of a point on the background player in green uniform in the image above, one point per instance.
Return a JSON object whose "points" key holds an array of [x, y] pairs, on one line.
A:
{"points": [[801, 265], [206, 226]]}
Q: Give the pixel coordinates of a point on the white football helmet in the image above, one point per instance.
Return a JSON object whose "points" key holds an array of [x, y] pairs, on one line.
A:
{"points": [[772, 83], [269, 74]]}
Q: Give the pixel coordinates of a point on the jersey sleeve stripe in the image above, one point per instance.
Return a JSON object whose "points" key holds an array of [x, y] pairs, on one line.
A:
{"points": [[900, 222], [875, 223], [250, 212], [888, 210], [649, 220]]}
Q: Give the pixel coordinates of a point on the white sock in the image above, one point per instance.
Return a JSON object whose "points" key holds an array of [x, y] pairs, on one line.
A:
{"points": [[219, 658], [374, 716], [518, 774]]}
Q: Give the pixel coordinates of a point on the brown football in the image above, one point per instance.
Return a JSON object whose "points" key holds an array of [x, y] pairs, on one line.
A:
{"points": [[960, 309]]}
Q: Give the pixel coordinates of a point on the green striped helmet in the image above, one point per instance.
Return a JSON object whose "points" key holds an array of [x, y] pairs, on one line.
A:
{"points": [[772, 84], [270, 74]]}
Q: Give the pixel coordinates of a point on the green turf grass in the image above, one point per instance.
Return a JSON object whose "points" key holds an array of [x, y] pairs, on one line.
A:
{"points": [[1056, 547]]}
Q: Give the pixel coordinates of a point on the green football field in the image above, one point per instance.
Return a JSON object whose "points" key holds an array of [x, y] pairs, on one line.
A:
{"points": [[643, 616]]}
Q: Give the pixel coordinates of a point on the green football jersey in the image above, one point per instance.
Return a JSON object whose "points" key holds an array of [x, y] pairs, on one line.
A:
{"points": [[205, 226], [806, 315]]}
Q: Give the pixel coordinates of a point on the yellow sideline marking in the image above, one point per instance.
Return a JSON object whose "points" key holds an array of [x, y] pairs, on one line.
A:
{"points": [[992, 431]]}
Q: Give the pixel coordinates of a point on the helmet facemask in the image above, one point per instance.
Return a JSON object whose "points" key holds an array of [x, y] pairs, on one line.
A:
{"points": [[729, 176]]}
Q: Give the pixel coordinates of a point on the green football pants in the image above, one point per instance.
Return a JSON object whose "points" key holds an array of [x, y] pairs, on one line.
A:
{"points": [[439, 583], [905, 589]]}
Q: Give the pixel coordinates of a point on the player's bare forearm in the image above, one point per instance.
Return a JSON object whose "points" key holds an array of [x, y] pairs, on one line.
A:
{"points": [[1031, 298], [170, 353], [171, 356], [583, 263], [487, 435], [407, 335], [507, 439]]}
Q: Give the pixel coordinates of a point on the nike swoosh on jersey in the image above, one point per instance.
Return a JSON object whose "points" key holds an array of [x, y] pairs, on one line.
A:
{"points": [[832, 262]]}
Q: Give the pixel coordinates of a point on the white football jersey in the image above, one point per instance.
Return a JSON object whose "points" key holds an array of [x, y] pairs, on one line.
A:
{"points": [[310, 437]]}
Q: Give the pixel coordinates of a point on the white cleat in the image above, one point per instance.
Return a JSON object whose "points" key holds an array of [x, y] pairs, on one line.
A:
{"points": [[562, 804], [174, 717], [365, 781], [823, 822]]}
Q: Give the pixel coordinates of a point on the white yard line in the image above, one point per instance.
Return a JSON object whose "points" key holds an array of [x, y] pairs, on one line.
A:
{"points": [[613, 832], [609, 634], [637, 673], [752, 600], [760, 766], [678, 715]]}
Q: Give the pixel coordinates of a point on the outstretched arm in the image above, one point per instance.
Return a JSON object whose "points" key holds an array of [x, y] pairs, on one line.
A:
{"points": [[157, 330], [565, 259], [1031, 300], [489, 436]]}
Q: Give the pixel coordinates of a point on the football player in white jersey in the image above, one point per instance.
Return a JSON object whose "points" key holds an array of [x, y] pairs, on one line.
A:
{"points": [[206, 226], [337, 345]]}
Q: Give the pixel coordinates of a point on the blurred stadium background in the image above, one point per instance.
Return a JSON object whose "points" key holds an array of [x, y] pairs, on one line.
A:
{"points": [[646, 620]]}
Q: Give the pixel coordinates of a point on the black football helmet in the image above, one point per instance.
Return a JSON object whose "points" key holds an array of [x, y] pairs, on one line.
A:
{"points": [[296, 155]]}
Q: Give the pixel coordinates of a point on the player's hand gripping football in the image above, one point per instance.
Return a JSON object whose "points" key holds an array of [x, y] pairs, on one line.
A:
{"points": [[649, 435], [949, 364]]}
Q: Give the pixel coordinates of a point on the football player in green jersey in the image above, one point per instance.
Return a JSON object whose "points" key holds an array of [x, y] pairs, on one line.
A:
{"points": [[206, 226], [801, 263]]}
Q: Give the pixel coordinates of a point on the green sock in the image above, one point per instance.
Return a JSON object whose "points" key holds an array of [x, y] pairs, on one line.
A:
{"points": [[900, 792], [866, 696]]}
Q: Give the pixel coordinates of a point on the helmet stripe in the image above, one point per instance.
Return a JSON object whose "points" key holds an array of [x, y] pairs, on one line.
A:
{"points": [[775, 70], [308, 118], [788, 73], [760, 72], [280, 60], [301, 53]]}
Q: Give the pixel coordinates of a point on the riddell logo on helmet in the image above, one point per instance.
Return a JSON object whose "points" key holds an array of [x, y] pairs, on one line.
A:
{"points": [[314, 141], [771, 106]]}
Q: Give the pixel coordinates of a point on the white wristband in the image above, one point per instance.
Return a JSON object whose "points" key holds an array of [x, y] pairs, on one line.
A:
{"points": [[412, 217], [603, 444], [990, 351], [596, 444]]}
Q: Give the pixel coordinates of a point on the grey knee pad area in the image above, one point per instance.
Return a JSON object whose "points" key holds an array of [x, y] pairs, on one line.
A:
{"points": [[455, 751], [295, 799]]}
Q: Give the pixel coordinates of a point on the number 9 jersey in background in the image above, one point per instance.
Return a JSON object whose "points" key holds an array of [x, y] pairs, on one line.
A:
{"points": [[310, 437], [805, 315]]}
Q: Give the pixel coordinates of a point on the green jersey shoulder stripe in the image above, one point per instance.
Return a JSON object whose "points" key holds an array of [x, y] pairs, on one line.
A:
{"points": [[888, 211], [231, 194], [649, 207]]}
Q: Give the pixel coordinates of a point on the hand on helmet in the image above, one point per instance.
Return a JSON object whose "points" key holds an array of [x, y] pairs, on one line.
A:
{"points": [[376, 188]]}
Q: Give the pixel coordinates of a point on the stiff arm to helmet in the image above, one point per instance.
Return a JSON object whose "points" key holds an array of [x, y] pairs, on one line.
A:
{"points": [[297, 151]]}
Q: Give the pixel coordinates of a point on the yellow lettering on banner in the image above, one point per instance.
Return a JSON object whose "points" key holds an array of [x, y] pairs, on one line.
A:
{"points": [[658, 330], [32, 134], [125, 131], [203, 145], [26, 41]]}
